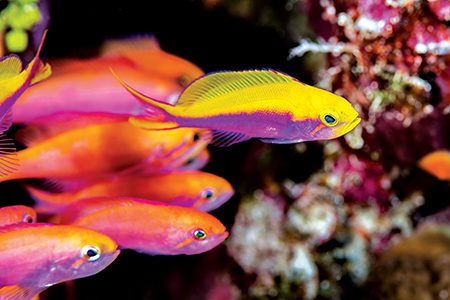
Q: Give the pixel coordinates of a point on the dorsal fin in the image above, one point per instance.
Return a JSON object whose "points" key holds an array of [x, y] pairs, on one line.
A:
{"points": [[10, 66], [121, 46], [216, 84]]}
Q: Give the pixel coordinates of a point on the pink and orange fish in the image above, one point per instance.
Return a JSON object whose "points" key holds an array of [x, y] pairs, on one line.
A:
{"points": [[200, 190], [35, 256], [17, 214], [240, 105], [148, 227], [87, 86], [102, 150]]}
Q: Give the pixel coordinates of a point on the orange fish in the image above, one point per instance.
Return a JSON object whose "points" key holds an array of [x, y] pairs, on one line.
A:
{"points": [[147, 54], [17, 214], [104, 149], [87, 86], [201, 190], [437, 163], [35, 256], [148, 227]]}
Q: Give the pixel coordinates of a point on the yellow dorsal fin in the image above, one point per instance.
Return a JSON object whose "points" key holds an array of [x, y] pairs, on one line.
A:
{"points": [[123, 46], [10, 66], [213, 85], [44, 71]]}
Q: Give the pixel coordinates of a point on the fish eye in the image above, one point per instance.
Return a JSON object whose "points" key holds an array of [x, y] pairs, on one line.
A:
{"points": [[91, 253], [196, 137], [330, 120], [208, 194], [199, 234], [183, 80], [189, 161], [28, 218]]}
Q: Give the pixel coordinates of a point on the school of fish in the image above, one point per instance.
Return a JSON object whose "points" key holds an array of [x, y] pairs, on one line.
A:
{"points": [[115, 169]]}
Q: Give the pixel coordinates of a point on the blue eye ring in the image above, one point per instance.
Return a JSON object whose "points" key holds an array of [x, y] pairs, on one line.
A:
{"points": [[199, 234], [329, 120]]}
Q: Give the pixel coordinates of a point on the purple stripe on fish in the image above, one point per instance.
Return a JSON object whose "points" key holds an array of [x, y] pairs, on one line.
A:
{"points": [[256, 125]]}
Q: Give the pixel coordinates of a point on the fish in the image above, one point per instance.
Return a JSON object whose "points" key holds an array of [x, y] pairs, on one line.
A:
{"points": [[17, 214], [200, 190], [110, 148], [148, 227], [87, 86], [147, 54], [14, 81], [35, 256], [195, 162], [239, 105], [437, 163]]}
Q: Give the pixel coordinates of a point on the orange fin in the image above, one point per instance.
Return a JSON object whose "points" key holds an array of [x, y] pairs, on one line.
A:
{"points": [[15, 292], [437, 163], [123, 46], [9, 163], [152, 123]]}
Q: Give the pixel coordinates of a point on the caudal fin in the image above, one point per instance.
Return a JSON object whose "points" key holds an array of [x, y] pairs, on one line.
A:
{"points": [[38, 70], [50, 203], [158, 115]]}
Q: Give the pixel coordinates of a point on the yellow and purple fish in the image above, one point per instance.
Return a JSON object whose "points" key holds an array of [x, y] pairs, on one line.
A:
{"points": [[264, 104], [200, 190], [148, 227], [17, 214], [14, 80], [35, 256]]}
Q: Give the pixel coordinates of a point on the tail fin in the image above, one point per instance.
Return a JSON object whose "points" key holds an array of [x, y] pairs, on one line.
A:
{"points": [[158, 115], [38, 70], [50, 203]]}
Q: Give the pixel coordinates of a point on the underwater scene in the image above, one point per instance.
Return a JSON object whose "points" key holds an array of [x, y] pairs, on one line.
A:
{"points": [[225, 149]]}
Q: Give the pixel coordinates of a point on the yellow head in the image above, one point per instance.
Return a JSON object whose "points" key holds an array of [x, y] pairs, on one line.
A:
{"points": [[332, 116]]}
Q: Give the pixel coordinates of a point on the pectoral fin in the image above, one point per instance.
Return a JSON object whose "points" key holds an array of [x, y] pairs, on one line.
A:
{"points": [[227, 138]]}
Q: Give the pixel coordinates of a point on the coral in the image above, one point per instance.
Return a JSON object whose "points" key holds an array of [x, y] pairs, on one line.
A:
{"points": [[312, 245], [387, 58], [416, 268]]}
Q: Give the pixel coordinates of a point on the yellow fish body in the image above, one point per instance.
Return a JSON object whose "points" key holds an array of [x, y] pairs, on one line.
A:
{"points": [[239, 105]]}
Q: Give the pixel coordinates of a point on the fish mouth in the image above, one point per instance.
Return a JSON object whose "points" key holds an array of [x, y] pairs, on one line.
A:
{"points": [[353, 123], [206, 206]]}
